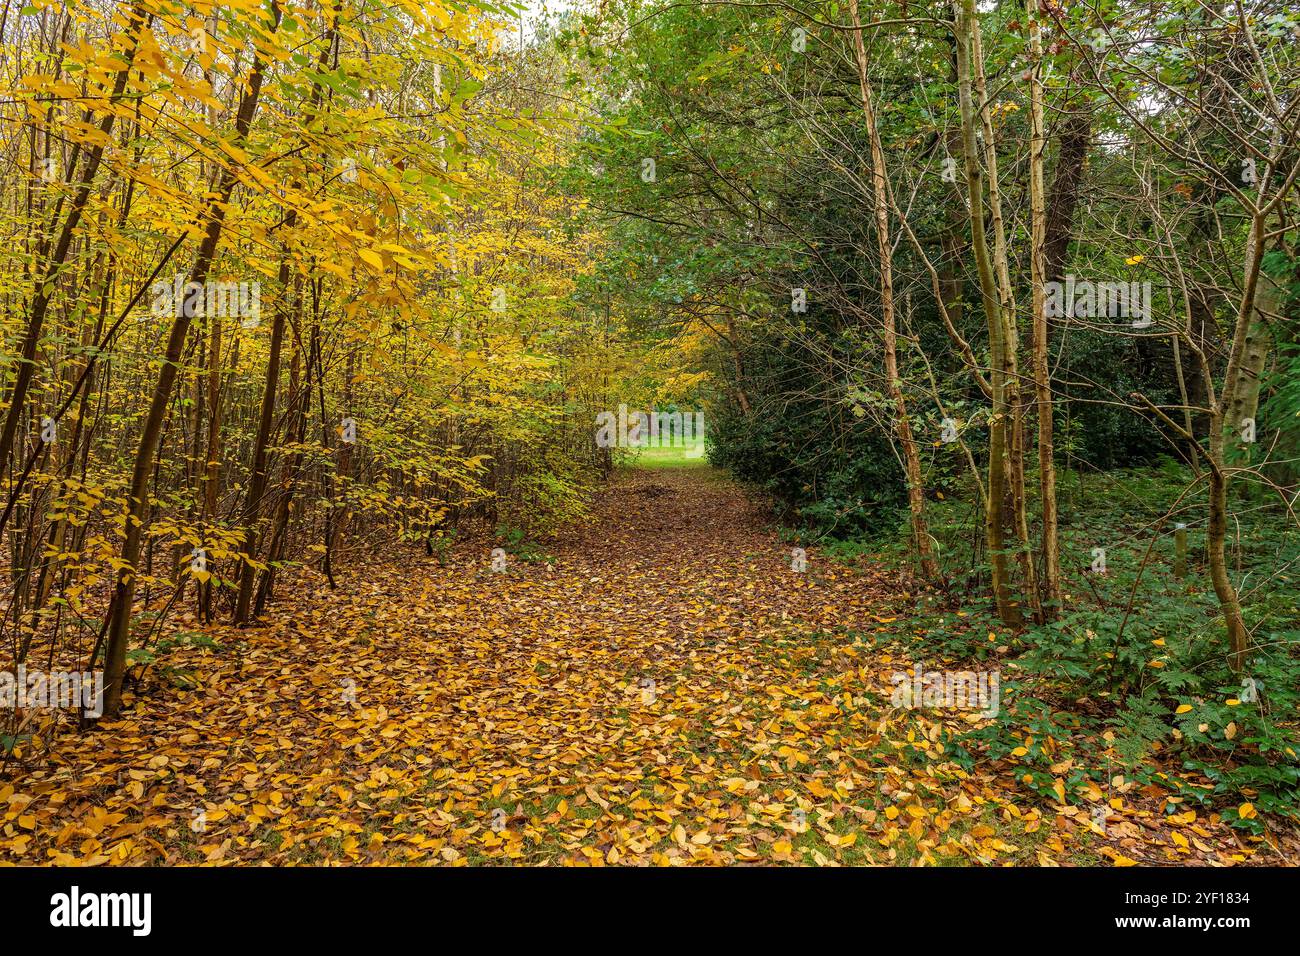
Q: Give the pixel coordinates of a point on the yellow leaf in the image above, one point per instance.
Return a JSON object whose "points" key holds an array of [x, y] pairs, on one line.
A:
{"points": [[818, 789]]}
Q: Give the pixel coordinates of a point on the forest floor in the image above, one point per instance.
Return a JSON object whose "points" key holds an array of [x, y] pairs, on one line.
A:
{"points": [[656, 687]]}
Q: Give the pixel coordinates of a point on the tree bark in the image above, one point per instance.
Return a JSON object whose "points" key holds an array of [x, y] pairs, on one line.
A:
{"points": [[994, 506], [45, 286], [1038, 266], [120, 605], [880, 207]]}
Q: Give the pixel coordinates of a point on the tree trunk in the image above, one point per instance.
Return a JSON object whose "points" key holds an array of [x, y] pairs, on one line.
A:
{"points": [[1075, 140], [45, 286], [252, 512], [994, 505], [120, 605], [880, 206], [1038, 266]]}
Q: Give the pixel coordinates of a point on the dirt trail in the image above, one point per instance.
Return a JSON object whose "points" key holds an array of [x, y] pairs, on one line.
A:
{"points": [[658, 687]]}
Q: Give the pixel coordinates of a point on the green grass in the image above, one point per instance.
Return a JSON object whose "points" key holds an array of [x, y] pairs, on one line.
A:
{"points": [[676, 456]]}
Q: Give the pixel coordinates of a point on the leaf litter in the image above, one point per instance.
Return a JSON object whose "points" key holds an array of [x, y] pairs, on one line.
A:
{"points": [[659, 687]]}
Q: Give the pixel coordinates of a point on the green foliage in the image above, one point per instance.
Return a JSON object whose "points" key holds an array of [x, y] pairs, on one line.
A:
{"points": [[548, 493], [829, 470], [762, 189], [1136, 645], [516, 543]]}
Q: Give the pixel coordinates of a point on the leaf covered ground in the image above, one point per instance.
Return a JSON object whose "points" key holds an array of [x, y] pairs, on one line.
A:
{"points": [[658, 687]]}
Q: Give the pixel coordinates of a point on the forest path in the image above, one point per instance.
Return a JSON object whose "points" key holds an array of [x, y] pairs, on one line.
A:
{"points": [[657, 687]]}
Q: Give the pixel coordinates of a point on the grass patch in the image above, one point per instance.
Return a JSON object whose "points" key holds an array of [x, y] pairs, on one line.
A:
{"points": [[673, 456]]}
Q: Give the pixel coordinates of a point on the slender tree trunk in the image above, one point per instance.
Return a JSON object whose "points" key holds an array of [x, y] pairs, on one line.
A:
{"points": [[994, 505], [1038, 264], [297, 430], [1255, 351], [880, 207], [1235, 381], [1017, 505], [120, 605], [340, 520], [257, 483], [212, 462], [45, 287]]}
